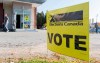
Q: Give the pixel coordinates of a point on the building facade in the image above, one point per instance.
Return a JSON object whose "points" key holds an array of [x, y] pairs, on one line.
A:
{"points": [[21, 13]]}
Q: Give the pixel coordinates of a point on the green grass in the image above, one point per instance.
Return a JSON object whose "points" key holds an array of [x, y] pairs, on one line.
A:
{"points": [[36, 61], [61, 60]]}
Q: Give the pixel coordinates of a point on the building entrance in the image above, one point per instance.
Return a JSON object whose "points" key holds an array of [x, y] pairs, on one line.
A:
{"points": [[1, 15], [23, 18], [19, 21]]}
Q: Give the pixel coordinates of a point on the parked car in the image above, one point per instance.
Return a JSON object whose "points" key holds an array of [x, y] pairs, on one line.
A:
{"points": [[99, 30], [93, 30]]}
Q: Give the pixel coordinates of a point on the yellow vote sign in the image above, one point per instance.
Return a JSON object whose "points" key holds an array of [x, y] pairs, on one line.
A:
{"points": [[26, 18], [68, 31]]}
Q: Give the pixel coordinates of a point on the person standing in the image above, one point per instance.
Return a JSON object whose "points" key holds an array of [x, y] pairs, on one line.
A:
{"points": [[6, 22], [96, 26]]}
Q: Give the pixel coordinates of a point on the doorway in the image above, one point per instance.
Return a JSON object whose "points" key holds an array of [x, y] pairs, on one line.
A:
{"points": [[18, 21], [1, 15]]}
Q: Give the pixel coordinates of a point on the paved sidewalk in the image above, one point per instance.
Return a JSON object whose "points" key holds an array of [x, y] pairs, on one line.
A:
{"points": [[27, 38], [20, 44], [26, 44], [95, 46]]}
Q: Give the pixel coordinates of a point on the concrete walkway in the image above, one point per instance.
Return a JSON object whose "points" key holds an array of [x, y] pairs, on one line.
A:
{"points": [[29, 43], [95, 46], [20, 44]]}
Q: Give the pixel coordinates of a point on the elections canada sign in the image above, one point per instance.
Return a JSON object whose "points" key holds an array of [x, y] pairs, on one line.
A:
{"points": [[68, 31]]}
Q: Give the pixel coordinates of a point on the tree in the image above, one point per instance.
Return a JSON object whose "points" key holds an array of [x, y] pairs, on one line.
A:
{"points": [[41, 20]]}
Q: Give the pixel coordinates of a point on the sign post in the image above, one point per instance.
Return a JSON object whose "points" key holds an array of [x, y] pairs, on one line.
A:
{"points": [[68, 31]]}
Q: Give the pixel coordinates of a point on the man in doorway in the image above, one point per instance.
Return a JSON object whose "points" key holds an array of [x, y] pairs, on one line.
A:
{"points": [[6, 22]]}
